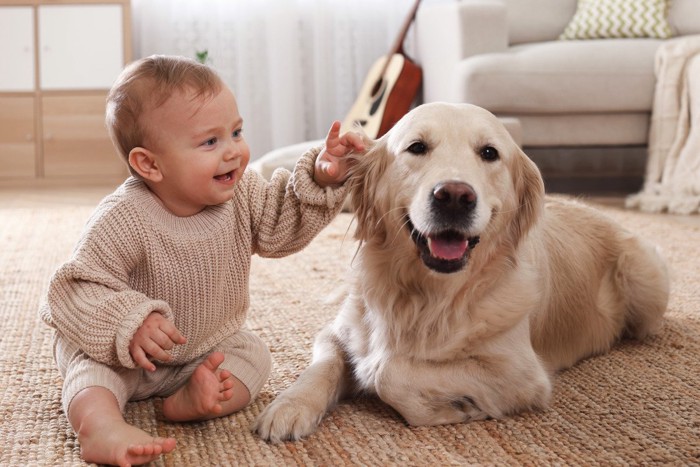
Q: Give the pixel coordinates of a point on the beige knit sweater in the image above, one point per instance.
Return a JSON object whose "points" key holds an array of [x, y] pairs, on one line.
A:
{"points": [[134, 257]]}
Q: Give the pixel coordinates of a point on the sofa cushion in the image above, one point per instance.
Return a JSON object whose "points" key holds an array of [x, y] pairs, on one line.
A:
{"points": [[537, 20], [603, 19], [610, 75], [589, 129], [528, 22], [685, 17]]}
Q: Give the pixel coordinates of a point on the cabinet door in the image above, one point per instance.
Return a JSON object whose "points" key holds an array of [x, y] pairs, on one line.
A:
{"points": [[16, 49], [17, 142], [76, 141], [80, 46]]}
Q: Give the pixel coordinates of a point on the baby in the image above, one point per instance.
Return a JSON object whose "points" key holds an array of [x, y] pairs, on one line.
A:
{"points": [[154, 299]]}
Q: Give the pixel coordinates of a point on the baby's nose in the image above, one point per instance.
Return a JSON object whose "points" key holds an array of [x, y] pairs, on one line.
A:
{"points": [[233, 150]]}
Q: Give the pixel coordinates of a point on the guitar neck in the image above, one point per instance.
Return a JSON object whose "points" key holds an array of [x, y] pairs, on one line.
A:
{"points": [[398, 44]]}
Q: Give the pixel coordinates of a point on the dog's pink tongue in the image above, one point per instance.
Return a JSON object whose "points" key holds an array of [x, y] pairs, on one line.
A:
{"points": [[447, 249]]}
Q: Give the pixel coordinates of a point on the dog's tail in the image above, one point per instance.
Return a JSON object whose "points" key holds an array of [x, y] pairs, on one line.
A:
{"points": [[643, 278]]}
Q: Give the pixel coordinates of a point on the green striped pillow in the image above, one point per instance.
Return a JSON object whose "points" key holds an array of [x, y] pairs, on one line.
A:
{"points": [[604, 19]]}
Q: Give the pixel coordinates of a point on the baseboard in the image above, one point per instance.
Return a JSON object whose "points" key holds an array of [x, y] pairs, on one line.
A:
{"points": [[591, 170], [599, 186], [63, 182]]}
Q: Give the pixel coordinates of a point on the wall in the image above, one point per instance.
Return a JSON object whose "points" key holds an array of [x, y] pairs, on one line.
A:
{"points": [[294, 65]]}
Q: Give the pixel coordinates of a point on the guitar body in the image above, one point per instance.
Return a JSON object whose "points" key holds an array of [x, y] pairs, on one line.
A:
{"points": [[385, 98]]}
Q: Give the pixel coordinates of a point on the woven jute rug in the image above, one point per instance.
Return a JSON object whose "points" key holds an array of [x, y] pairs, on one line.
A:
{"points": [[638, 405]]}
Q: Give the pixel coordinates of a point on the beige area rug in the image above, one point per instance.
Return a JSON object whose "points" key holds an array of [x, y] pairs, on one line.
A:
{"points": [[638, 405]]}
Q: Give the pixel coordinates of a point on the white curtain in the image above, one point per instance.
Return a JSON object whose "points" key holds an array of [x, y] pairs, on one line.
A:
{"points": [[294, 65]]}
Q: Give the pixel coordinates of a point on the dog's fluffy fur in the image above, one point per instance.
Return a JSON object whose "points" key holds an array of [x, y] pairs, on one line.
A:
{"points": [[470, 289]]}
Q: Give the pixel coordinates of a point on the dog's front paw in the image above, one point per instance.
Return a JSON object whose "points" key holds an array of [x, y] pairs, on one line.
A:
{"points": [[467, 406], [287, 418]]}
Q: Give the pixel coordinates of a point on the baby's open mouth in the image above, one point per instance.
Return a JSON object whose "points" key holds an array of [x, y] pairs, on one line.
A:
{"points": [[227, 177]]}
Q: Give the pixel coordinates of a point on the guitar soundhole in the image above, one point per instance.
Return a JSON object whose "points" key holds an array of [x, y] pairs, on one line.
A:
{"points": [[377, 102], [377, 87]]}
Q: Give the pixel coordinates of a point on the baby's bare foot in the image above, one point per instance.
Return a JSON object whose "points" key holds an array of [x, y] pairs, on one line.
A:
{"points": [[201, 397], [121, 444]]}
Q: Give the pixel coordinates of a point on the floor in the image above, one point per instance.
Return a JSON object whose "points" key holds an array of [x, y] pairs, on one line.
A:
{"points": [[53, 195], [91, 195]]}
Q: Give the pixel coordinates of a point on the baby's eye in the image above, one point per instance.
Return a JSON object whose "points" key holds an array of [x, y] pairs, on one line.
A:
{"points": [[209, 142], [238, 133]]}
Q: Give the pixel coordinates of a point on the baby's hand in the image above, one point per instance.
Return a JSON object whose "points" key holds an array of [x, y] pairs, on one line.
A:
{"points": [[331, 165], [153, 339]]}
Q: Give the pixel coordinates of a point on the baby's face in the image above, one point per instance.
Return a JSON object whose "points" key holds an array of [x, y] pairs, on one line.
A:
{"points": [[200, 148]]}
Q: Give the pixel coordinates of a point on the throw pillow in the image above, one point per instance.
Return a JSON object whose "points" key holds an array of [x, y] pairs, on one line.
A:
{"points": [[604, 19]]}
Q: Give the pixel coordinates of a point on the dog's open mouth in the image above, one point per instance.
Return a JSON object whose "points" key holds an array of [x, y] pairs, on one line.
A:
{"points": [[446, 251]]}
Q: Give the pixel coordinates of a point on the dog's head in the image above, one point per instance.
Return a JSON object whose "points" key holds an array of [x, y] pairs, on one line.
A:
{"points": [[444, 178]]}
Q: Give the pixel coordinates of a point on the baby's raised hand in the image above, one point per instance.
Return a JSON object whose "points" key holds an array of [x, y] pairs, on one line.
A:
{"points": [[156, 336], [331, 165]]}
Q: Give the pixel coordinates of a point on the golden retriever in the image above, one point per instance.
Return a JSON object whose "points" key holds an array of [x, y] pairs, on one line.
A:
{"points": [[470, 289]]}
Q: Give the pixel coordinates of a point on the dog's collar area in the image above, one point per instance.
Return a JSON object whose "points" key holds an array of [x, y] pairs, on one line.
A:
{"points": [[446, 252]]}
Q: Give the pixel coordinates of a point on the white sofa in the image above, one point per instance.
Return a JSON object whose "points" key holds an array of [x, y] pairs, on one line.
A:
{"points": [[505, 55], [584, 106], [580, 108]]}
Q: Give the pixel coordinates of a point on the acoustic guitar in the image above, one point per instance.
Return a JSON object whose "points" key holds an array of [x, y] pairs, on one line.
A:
{"points": [[389, 89]]}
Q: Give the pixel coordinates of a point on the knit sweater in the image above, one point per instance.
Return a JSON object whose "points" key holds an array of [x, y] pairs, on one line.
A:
{"points": [[135, 257]]}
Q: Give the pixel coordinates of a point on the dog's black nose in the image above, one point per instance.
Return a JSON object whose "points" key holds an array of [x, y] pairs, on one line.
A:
{"points": [[457, 197]]}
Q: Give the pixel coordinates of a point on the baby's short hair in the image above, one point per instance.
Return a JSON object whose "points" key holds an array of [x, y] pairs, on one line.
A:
{"points": [[146, 84]]}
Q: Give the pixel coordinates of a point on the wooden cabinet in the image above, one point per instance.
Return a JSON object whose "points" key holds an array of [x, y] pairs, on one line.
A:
{"points": [[17, 48], [75, 139], [89, 56], [58, 59], [17, 146]]}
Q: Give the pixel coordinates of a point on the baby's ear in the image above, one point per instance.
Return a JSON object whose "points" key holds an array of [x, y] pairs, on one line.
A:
{"points": [[144, 163]]}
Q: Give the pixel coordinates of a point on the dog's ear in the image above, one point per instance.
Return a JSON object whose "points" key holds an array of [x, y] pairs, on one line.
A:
{"points": [[363, 185], [529, 190]]}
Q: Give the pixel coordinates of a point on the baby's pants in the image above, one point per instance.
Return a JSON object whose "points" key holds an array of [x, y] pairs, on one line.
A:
{"points": [[246, 357]]}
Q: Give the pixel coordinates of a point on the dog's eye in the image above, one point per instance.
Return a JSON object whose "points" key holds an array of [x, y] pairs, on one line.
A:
{"points": [[417, 148], [489, 153]]}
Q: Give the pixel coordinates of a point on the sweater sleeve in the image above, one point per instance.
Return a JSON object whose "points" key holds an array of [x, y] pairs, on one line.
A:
{"points": [[291, 209], [89, 299]]}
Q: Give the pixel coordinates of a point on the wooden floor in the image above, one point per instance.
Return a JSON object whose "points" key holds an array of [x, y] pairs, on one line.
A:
{"points": [[51, 195], [91, 195], [619, 202]]}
